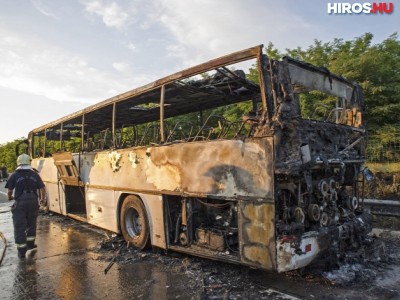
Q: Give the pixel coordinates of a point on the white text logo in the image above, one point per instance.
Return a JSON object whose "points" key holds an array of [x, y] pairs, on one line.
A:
{"points": [[358, 8]]}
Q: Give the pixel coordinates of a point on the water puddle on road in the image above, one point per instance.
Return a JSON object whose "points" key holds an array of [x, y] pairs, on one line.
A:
{"points": [[82, 277]]}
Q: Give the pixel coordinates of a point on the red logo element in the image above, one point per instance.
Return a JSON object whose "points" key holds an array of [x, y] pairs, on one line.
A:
{"points": [[382, 7]]}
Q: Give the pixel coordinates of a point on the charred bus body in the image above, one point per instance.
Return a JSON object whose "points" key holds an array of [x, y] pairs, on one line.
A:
{"points": [[275, 190]]}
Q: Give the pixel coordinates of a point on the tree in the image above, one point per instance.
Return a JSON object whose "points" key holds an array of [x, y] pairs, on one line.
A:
{"points": [[8, 154], [376, 67]]}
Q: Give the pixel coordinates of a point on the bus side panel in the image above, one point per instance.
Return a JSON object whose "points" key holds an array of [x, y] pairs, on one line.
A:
{"points": [[122, 169], [55, 192], [221, 168], [97, 176], [55, 198], [257, 217], [101, 207], [257, 234], [104, 187], [154, 208]]}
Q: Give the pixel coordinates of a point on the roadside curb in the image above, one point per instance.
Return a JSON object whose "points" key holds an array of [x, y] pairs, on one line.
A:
{"points": [[381, 232]]}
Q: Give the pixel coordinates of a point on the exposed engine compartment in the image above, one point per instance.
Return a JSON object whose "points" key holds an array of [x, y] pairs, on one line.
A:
{"points": [[319, 188], [209, 224]]}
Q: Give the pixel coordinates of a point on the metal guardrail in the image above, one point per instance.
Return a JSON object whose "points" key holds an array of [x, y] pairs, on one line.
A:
{"points": [[382, 202], [384, 205]]}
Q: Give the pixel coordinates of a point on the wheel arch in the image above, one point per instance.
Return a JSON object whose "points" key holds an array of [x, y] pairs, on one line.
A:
{"points": [[121, 200]]}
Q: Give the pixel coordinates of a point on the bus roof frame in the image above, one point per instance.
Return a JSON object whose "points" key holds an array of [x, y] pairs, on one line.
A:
{"points": [[236, 57]]}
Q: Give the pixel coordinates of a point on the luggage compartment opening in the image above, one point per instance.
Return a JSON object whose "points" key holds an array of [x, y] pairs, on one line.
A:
{"points": [[75, 202]]}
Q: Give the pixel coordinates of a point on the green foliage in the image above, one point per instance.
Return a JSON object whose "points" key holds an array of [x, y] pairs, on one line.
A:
{"points": [[234, 112], [272, 52], [374, 66], [389, 133], [316, 105], [8, 155], [253, 75]]}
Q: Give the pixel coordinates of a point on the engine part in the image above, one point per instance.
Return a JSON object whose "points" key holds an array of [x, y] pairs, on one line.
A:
{"points": [[183, 239], [299, 215], [325, 219], [323, 187], [210, 239], [314, 212], [332, 186], [352, 203]]}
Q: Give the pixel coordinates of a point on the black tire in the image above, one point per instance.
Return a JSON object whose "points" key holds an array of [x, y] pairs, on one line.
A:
{"points": [[134, 222]]}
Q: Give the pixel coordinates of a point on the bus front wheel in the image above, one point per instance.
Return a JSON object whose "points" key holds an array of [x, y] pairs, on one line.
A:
{"points": [[134, 222]]}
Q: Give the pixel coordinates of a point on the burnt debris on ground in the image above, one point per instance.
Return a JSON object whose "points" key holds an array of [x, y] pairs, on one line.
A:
{"points": [[361, 270]]}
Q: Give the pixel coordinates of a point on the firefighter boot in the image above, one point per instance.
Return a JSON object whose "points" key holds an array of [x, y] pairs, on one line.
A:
{"points": [[22, 252], [31, 245]]}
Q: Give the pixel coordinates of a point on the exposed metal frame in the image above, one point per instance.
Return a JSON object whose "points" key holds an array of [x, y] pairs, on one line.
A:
{"points": [[250, 53]]}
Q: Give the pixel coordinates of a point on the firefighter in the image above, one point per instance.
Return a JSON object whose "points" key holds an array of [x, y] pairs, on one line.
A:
{"points": [[27, 186]]}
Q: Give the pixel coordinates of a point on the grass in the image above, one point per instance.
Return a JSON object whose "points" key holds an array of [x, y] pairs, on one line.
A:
{"points": [[393, 167], [386, 184]]}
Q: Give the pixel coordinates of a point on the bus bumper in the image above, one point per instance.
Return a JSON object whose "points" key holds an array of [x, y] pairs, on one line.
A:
{"points": [[297, 252]]}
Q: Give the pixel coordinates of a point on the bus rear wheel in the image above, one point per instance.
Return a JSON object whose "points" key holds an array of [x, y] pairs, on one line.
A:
{"points": [[134, 222]]}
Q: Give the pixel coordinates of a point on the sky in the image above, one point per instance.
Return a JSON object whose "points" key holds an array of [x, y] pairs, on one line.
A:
{"points": [[59, 56]]}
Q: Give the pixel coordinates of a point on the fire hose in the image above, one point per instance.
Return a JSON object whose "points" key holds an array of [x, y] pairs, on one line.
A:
{"points": [[5, 246]]}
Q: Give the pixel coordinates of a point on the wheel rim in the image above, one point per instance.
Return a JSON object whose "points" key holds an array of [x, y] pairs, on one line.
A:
{"points": [[133, 222]]}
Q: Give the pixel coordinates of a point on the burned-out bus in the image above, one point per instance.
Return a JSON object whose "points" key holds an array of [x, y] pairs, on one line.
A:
{"points": [[169, 165]]}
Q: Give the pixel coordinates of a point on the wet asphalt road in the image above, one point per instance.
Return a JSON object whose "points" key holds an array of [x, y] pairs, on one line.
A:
{"points": [[70, 264], [67, 265]]}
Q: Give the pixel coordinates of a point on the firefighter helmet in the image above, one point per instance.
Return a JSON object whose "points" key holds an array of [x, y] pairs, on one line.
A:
{"points": [[23, 159]]}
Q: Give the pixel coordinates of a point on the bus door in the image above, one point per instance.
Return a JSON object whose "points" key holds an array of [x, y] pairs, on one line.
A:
{"points": [[71, 183]]}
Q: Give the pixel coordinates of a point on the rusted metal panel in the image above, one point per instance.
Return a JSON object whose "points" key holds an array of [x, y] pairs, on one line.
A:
{"points": [[257, 234], [117, 172], [320, 82], [215, 168], [188, 168], [162, 101], [66, 168]]}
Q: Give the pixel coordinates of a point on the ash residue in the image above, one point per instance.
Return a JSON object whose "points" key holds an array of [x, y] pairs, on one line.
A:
{"points": [[225, 281], [215, 280], [372, 274], [348, 274], [362, 266]]}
